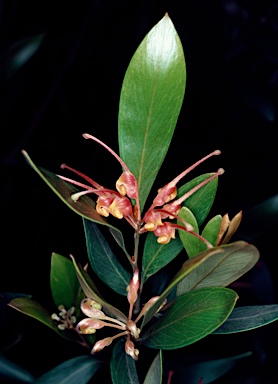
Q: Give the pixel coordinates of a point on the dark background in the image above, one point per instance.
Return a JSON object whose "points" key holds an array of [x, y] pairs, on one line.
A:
{"points": [[61, 70]]}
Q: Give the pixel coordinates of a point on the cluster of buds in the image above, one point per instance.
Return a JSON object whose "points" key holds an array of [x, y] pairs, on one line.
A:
{"points": [[65, 318], [97, 319], [118, 203]]}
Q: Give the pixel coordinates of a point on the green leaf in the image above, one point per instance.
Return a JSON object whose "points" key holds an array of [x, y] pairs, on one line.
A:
{"points": [[189, 241], [223, 268], [10, 370], [150, 102], [156, 256], [122, 366], [77, 370], [32, 308], [201, 201], [187, 268], [84, 206], [92, 293], [209, 369], [210, 232], [103, 261], [154, 374], [192, 316], [63, 281], [247, 318]]}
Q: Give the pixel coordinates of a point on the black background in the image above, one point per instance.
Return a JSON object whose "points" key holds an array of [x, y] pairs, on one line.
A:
{"points": [[71, 85]]}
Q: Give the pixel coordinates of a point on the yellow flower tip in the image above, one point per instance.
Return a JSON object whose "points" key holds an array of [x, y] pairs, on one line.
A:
{"points": [[217, 152], [163, 239], [117, 213], [121, 189], [87, 331], [150, 226], [102, 211]]}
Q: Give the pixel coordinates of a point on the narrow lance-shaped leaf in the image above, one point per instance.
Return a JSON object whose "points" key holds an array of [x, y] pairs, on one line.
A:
{"points": [[186, 269], [122, 366], [247, 318], [92, 293], [200, 202], [103, 261], [84, 206], [32, 308], [222, 269], [76, 370], [63, 281], [154, 374], [156, 256], [150, 102], [192, 316]]}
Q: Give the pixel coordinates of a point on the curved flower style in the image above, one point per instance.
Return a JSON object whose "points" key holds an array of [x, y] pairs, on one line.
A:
{"points": [[96, 319], [119, 204]]}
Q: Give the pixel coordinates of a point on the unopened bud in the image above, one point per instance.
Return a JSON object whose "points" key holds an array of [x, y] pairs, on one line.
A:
{"points": [[133, 287], [99, 345], [130, 350]]}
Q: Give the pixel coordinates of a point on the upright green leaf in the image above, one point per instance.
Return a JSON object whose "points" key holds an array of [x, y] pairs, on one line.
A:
{"points": [[154, 374], [156, 256], [91, 292], [201, 201], [210, 232], [122, 366], [189, 241], [247, 318], [150, 101], [103, 261], [63, 281], [192, 316], [84, 206], [223, 268], [76, 370]]}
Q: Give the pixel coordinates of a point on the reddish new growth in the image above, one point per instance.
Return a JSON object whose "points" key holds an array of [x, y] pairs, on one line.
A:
{"points": [[118, 202]]}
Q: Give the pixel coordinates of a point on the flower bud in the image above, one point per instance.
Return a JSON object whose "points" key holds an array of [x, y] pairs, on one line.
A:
{"points": [[130, 350]]}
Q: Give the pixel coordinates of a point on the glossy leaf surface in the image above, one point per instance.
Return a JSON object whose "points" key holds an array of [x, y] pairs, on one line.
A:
{"points": [[92, 293], [192, 316], [77, 370], [103, 261], [122, 366], [154, 374], [150, 101], [84, 206], [156, 256], [63, 281], [186, 269], [201, 201], [32, 308], [189, 241], [247, 318], [222, 269]]}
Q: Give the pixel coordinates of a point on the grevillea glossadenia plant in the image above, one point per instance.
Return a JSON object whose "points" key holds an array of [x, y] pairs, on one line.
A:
{"points": [[192, 302]]}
